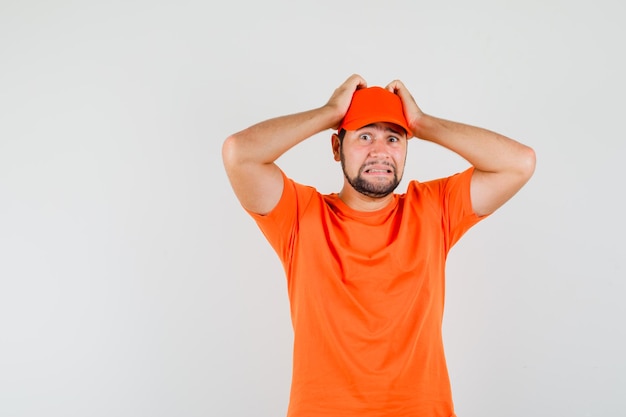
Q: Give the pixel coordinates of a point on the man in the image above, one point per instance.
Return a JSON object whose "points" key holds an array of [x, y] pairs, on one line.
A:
{"points": [[365, 267]]}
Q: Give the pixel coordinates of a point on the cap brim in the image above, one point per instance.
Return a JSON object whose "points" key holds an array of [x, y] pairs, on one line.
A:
{"points": [[359, 123]]}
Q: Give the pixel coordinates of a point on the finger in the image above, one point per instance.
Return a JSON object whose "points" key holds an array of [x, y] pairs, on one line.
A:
{"points": [[395, 86], [359, 82], [355, 80]]}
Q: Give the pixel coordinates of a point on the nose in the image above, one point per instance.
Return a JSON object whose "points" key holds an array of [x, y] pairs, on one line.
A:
{"points": [[378, 148]]}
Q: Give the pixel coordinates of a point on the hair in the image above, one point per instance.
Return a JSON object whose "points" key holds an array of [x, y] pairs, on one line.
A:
{"points": [[341, 134]]}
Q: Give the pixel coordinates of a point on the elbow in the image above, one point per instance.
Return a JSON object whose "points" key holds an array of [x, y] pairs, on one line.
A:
{"points": [[528, 162], [230, 151]]}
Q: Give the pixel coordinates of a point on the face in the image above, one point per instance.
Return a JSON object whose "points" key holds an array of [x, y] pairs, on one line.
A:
{"points": [[372, 158]]}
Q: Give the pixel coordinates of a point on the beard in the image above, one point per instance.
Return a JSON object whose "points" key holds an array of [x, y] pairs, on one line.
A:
{"points": [[367, 188]]}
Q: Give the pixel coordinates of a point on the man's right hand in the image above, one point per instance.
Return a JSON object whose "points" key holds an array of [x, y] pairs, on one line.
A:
{"points": [[340, 101]]}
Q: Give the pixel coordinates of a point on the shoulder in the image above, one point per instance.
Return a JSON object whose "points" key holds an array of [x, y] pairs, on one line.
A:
{"points": [[295, 196]]}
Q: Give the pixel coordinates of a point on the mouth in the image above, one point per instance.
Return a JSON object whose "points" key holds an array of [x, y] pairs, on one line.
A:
{"points": [[378, 169]]}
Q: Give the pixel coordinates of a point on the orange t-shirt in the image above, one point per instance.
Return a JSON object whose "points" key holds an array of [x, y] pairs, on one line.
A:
{"points": [[366, 292]]}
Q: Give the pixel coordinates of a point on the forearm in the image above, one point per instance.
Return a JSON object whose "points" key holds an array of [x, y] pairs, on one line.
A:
{"points": [[265, 142], [487, 151]]}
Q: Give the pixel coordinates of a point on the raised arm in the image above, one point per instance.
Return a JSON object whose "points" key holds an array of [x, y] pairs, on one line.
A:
{"points": [[502, 165], [249, 155]]}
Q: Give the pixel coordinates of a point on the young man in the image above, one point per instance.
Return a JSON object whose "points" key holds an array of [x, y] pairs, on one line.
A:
{"points": [[365, 267]]}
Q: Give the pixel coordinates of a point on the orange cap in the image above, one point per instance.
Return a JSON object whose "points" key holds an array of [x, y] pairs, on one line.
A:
{"points": [[373, 105]]}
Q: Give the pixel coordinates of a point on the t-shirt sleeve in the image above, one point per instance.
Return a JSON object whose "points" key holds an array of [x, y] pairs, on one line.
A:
{"points": [[451, 198], [458, 216], [280, 225]]}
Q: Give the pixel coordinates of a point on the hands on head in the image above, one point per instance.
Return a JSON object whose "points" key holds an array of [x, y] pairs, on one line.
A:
{"points": [[502, 165], [342, 96]]}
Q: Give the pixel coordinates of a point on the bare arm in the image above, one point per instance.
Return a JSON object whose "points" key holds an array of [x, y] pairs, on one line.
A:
{"points": [[250, 154], [502, 165]]}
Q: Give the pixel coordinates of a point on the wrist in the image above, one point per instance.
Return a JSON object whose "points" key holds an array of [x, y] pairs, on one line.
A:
{"points": [[421, 126], [331, 116]]}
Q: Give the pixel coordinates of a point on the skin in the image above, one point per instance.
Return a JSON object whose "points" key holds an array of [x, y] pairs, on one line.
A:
{"points": [[502, 165], [372, 159]]}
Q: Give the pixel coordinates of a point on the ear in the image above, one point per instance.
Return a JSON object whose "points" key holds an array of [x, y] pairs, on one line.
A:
{"points": [[336, 144]]}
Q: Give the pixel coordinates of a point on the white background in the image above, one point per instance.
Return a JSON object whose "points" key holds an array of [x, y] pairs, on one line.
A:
{"points": [[133, 284]]}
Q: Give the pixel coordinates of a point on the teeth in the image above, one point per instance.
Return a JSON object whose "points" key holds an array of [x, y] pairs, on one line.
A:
{"points": [[379, 170]]}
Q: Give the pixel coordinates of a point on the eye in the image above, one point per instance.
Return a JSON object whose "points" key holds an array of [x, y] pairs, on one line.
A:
{"points": [[365, 136], [393, 139]]}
